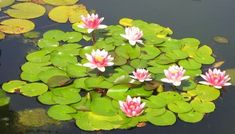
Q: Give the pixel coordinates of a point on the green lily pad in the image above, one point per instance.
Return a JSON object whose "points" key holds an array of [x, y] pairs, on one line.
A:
{"points": [[205, 93], [190, 64], [53, 77], [13, 86], [33, 89], [75, 70], [170, 96], [107, 108], [46, 98], [119, 60], [163, 59], [55, 35], [39, 56], [156, 102], [62, 60], [26, 10], [139, 91], [176, 54], [47, 43], [118, 92], [61, 112], [65, 96], [126, 51], [149, 52], [179, 107], [90, 121], [72, 37], [166, 119], [188, 85], [4, 100], [97, 82], [203, 106], [138, 63], [191, 117], [32, 35], [150, 112]]}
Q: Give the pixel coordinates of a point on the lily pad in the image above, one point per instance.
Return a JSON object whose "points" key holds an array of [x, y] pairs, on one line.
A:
{"points": [[62, 14], [61, 112], [205, 93], [166, 119], [127, 22], [54, 35], [75, 70], [191, 117], [179, 107], [203, 106], [4, 100], [32, 35], [5, 3], [26, 10], [2, 36], [149, 52], [16, 26], [61, 2], [33, 89], [190, 64], [97, 82], [13, 86], [118, 92]]}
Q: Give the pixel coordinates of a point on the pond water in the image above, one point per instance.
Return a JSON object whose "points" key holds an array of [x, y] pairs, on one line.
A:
{"points": [[202, 19]]}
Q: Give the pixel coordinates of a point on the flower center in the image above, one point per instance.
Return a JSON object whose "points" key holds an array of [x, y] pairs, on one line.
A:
{"points": [[99, 58]]}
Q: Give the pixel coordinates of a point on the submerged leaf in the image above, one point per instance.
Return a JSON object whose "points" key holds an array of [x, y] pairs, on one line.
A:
{"points": [[221, 39], [16, 26]]}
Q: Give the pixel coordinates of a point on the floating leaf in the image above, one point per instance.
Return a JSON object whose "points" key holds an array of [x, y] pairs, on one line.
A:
{"points": [[191, 117], [75, 70], [46, 98], [61, 2], [107, 108], [62, 14], [118, 92], [54, 35], [61, 112], [126, 51], [127, 22], [97, 82], [26, 10], [190, 64], [5, 3], [33, 89], [16, 26], [149, 52], [221, 39], [202, 106], [47, 43], [179, 107], [2, 36], [13, 86], [205, 93], [4, 100], [139, 91], [166, 119]]}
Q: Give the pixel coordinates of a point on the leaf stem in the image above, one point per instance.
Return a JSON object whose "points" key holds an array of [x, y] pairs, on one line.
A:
{"points": [[93, 37]]}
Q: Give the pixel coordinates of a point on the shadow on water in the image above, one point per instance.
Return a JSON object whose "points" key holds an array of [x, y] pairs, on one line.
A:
{"points": [[202, 19]]}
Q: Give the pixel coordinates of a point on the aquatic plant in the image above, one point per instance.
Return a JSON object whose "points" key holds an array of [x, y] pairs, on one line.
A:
{"points": [[116, 83]]}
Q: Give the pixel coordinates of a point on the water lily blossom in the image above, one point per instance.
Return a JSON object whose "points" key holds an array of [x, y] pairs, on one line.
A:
{"points": [[141, 75], [99, 59], [216, 78], [91, 22], [174, 74], [133, 35], [132, 107]]}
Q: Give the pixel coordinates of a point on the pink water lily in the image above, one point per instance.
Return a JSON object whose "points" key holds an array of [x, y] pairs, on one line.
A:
{"points": [[174, 74], [216, 78], [141, 75], [132, 107], [99, 59], [91, 22], [133, 35]]}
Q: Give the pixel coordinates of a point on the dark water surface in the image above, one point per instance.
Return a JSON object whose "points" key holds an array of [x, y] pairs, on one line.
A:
{"points": [[202, 19]]}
